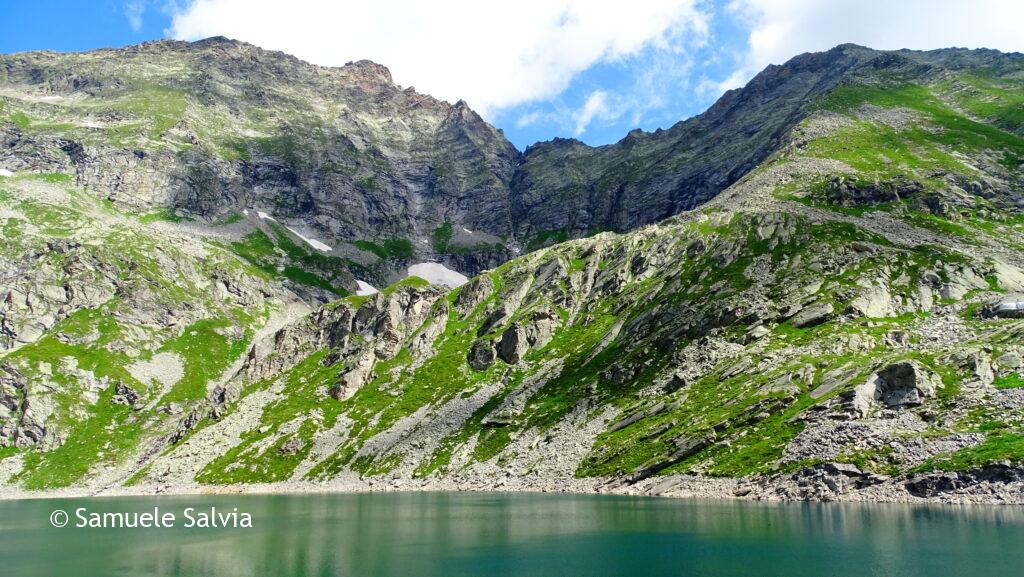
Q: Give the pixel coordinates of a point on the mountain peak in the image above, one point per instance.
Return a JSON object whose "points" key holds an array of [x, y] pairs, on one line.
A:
{"points": [[369, 69]]}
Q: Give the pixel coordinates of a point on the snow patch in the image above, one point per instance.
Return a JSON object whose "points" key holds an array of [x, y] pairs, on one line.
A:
{"points": [[5, 172], [310, 241], [365, 289], [437, 273], [53, 97], [467, 230], [245, 212]]}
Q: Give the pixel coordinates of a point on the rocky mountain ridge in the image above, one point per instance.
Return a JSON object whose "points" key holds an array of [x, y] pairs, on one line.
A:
{"points": [[382, 176], [204, 130]]}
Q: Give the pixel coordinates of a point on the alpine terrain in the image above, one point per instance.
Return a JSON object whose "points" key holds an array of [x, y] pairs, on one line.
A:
{"points": [[223, 265]]}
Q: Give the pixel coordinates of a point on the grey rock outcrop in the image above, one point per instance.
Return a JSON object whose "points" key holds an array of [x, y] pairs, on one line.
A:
{"points": [[986, 478], [125, 395], [1010, 306], [899, 385], [823, 482], [513, 344], [481, 355], [813, 315]]}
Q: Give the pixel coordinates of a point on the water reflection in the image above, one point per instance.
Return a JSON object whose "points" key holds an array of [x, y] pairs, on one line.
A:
{"points": [[447, 534]]}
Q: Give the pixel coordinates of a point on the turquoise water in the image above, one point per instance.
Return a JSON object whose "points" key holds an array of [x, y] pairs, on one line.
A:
{"points": [[455, 534]]}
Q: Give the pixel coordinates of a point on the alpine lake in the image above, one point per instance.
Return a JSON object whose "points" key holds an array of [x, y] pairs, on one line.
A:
{"points": [[499, 534]]}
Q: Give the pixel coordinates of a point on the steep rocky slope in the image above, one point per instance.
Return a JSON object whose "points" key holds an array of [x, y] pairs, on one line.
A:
{"points": [[844, 321], [647, 177], [378, 173]]}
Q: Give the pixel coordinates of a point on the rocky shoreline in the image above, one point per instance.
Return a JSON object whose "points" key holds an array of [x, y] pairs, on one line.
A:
{"points": [[998, 484]]}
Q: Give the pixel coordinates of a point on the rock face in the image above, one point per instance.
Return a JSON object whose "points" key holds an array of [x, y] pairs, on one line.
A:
{"points": [[513, 344], [824, 482], [1011, 307], [813, 315], [849, 193], [125, 395], [647, 177], [222, 126]]}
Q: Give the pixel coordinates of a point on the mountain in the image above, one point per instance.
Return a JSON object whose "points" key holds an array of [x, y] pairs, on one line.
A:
{"points": [[206, 130], [383, 176], [813, 290]]}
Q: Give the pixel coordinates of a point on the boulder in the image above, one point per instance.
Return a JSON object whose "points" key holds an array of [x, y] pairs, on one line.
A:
{"points": [[872, 301], [513, 344], [125, 395], [905, 383], [291, 447], [542, 327], [825, 481], [847, 191], [355, 376], [813, 315], [897, 338], [755, 333], [1010, 308], [481, 355], [983, 479], [1010, 360], [899, 385]]}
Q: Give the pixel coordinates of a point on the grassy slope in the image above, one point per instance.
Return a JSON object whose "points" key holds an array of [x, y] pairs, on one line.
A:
{"points": [[99, 344], [942, 140]]}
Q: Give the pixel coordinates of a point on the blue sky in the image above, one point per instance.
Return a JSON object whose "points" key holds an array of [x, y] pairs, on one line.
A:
{"points": [[538, 69], [648, 90]]}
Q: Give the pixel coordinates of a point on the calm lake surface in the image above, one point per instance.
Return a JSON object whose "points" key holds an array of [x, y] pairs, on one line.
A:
{"points": [[454, 534]]}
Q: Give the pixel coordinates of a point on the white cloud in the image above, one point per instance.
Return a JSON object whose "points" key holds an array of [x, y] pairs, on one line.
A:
{"points": [[493, 55], [596, 106], [781, 29], [528, 119], [133, 11]]}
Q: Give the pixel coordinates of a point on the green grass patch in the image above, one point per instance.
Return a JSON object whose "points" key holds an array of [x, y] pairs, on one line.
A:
{"points": [[373, 247], [399, 248], [546, 238], [21, 120], [441, 237], [1011, 381], [163, 214], [395, 248], [206, 353], [996, 447]]}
